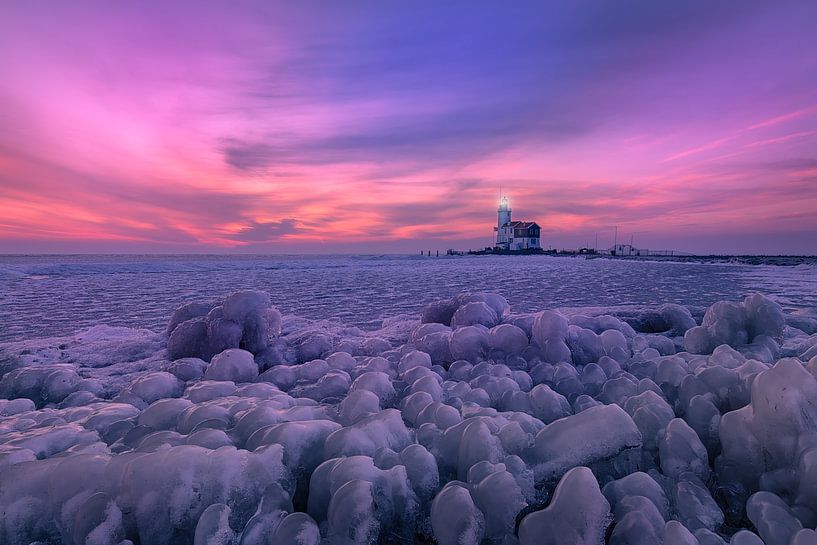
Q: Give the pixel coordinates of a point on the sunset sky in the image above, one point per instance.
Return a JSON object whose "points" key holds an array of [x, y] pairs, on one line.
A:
{"points": [[333, 127]]}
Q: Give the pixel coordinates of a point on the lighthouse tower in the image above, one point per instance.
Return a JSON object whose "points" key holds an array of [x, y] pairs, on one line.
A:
{"points": [[503, 219]]}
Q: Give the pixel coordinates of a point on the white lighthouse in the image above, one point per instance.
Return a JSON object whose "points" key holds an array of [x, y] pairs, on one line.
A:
{"points": [[515, 235], [504, 213]]}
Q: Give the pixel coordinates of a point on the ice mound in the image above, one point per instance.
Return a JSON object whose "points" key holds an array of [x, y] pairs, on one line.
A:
{"points": [[578, 513], [246, 319], [736, 324], [470, 425]]}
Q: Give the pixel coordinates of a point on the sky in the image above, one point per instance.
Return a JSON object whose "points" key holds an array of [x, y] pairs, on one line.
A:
{"points": [[374, 127]]}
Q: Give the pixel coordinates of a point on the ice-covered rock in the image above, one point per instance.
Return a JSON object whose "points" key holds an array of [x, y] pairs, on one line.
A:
{"points": [[598, 434], [234, 364], [455, 518], [474, 313], [469, 343], [245, 319], [681, 451], [736, 324], [773, 519], [578, 513], [455, 430]]}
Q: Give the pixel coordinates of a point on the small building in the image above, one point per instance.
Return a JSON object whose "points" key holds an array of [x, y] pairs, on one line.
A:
{"points": [[515, 235]]}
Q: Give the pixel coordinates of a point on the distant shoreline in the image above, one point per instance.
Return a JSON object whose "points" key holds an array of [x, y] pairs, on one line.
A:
{"points": [[778, 260], [739, 259]]}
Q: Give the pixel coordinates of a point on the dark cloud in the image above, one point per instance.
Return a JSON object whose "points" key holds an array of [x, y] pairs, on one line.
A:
{"points": [[267, 231]]}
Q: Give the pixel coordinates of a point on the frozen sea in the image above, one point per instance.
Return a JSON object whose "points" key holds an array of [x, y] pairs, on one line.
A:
{"points": [[389, 400], [42, 296]]}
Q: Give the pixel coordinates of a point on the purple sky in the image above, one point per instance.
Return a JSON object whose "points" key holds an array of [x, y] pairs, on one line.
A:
{"points": [[390, 126]]}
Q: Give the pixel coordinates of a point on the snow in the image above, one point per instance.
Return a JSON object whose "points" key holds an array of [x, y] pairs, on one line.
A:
{"points": [[470, 421]]}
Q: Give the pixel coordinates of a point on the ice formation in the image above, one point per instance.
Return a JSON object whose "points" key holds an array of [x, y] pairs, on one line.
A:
{"points": [[470, 425]]}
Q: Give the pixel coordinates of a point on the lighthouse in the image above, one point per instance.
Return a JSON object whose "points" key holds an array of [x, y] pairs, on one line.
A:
{"points": [[504, 213], [515, 235]]}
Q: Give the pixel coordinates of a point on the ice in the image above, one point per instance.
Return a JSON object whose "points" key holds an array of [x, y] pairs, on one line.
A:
{"points": [[681, 451], [694, 505], [547, 405], [474, 313], [745, 537], [213, 527], [455, 518], [676, 533], [187, 369], [597, 434], [507, 339], [351, 517], [637, 484], [158, 385], [549, 332], [773, 519], [499, 497], [413, 359], [377, 383], [296, 529], [366, 436], [578, 513], [450, 431], [585, 346], [245, 319], [234, 364], [736, 324], [469, 343], [637, 522]]}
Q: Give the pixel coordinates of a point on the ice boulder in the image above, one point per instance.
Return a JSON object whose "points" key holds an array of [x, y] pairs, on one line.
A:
{"points": [[694, 506], [366, 436], [500, 498], [157, 385], [469, 343], [765, 435], [585, 346], [439, 312], [413, 359], [598, 434], [213, 527], [736, 324], [234, 364], [549, 332], [774, 520], [681, 450], [245, 319], [507, 339], [352, 519], [474, 313], [186, 369], [638, 522], [676, 533], [455, 518], [187, 312], [637, 484], [296, 529], [578, 514]]}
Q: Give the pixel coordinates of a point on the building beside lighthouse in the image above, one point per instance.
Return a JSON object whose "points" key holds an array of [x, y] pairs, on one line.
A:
{"points": [[515, 235]]}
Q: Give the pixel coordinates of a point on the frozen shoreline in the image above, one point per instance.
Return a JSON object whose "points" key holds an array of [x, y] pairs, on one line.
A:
{"points": [[463, 422]]}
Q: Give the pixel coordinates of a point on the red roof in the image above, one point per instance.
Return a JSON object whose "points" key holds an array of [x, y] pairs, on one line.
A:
{"points": [[522, 224]]}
